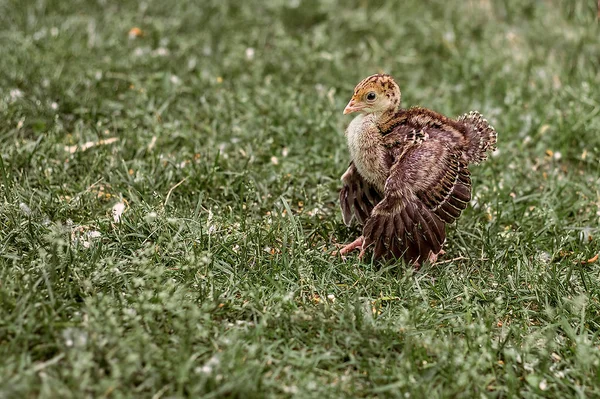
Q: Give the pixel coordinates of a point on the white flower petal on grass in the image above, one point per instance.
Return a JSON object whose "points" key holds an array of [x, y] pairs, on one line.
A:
{"points": [[25, 209], [249, 53], [212, 228], [152, 143], [15, 94], [161, 52], [585, 234], [89, 144], [191, 65], [140, 51], [117, 211], [74, 337], [209, 366], [150, 217]]}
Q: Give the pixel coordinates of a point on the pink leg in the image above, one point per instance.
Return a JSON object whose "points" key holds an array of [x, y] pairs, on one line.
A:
{"points": [[352, 246]]}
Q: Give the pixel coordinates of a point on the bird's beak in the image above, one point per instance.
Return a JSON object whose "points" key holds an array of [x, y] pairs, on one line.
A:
{"points": [[352, 107]]}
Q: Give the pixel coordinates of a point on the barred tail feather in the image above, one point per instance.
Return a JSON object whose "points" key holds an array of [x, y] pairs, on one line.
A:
{"points": [[481, 137]]}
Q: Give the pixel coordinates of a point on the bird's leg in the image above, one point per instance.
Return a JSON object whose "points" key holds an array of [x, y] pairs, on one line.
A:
{"points": [[352, 246]]}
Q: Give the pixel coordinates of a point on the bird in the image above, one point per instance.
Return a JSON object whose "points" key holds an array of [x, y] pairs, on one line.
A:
{"points": [[409, 172]]}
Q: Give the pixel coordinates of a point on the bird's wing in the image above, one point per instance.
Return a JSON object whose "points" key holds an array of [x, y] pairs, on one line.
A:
{"points": [[357, 197], [428, 186]]}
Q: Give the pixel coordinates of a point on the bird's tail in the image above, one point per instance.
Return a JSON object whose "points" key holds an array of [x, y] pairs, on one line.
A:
{"points": [[481, 136]]}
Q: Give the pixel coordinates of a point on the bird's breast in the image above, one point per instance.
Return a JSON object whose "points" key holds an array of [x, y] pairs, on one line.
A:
{"points": [[367, 151]]}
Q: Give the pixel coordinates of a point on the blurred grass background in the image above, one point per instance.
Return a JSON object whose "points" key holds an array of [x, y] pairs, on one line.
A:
{"points": [[218, 129]]}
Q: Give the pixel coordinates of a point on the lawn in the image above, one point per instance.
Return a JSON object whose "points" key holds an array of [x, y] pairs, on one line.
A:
{"points": [[168, 201]]}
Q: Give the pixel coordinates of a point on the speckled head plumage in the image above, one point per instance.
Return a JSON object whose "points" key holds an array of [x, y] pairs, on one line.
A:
{"points": [[375, 94]]}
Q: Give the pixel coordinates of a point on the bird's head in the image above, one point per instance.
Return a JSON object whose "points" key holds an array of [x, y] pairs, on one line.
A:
{"points": [[375, 94]]}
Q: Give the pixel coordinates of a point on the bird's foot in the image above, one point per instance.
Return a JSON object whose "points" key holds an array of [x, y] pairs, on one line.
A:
{"points": [[358, 243], [433, 257]]}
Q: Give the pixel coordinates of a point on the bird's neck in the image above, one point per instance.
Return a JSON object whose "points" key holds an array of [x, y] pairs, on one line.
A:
{"points": [[385, 119]]}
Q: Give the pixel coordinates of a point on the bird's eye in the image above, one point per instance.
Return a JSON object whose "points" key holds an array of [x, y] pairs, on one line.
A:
{"points": [[371, 96]]}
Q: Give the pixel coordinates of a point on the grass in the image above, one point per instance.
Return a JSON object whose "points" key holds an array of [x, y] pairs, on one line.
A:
{"points": [[217, 279]]}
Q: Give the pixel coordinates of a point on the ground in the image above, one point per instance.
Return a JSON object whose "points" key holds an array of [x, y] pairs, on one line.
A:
{"points": [[168, 201]]}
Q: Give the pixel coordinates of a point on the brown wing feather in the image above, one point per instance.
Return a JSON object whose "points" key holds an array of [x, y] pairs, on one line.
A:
{"points": [[428, 186], [357, 197]]}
